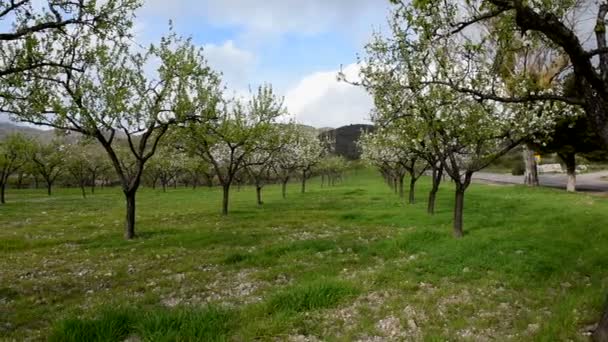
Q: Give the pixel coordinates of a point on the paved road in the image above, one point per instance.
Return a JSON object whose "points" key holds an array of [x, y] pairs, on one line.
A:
{"points": [[584, 182]]}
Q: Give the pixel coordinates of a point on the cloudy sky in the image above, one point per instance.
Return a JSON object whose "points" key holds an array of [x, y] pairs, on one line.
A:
{"points": [[296, 45]]}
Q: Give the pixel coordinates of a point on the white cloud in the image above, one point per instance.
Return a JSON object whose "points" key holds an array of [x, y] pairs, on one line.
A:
{"points": [[255, 25], [321, 100], [236, 64]]}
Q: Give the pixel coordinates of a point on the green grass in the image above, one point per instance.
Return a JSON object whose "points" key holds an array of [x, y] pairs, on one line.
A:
{"points": [[312, 296], [206, 324], [342, 263]]}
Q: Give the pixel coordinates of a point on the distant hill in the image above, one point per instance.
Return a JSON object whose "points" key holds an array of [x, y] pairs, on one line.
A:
{"points": [[43, 135], [346, 138], [324, 129], [311, 129], [7, 128]]}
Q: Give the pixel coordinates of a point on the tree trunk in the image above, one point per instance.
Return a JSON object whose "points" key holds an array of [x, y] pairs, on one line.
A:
{"points": [[401, 192], [93, 179], [284, 189], [130, 220], [225, 198], [437, 177], [48, 188], [458, 211], [84, 191], [258, 193], [412, 196], [430, 209], [601, 332], [571, 186], [531, 173], [164, 186], [304, 182], [322, 180], [2, 190], [36, 184]]}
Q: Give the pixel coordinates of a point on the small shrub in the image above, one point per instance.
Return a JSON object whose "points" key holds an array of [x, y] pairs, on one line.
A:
{"points": [[236, 258], [110, 325], [209, 324], [311, 296]]}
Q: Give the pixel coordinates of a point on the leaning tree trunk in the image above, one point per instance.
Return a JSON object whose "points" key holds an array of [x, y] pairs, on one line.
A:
{"points": [[258, 193], [531, 172], [412, 194], [430, 209], [83, 190], [458, 211], [130, 219], [601, 332], [437, 176], [225, 198]]}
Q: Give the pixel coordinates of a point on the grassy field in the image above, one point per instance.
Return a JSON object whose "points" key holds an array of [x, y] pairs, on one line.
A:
{"points": [[350, 262]]}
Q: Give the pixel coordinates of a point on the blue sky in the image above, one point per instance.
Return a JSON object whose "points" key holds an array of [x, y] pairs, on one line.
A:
{"points": [[298, 46]]}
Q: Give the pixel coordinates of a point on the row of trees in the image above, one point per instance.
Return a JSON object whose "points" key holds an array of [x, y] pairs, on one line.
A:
{"points": [[276, 154], [29, 160], [73, 66], [460, 84], [427, 118]]}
